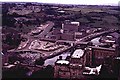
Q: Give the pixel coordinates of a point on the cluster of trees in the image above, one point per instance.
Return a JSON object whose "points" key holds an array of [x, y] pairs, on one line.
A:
{"points": [[21, 72], [10, 39]]}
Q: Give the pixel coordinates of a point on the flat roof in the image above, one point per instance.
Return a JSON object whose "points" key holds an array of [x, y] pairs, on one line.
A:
{"points": [[78, 53], [62, 62]]}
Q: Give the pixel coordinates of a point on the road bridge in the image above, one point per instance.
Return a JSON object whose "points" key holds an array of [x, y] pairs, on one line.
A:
{"points": [[94, 35]]}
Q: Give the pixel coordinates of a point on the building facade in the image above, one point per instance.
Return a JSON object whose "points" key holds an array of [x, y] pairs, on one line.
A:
{"points": [[62, 69], [96, 55], [71, 68]]}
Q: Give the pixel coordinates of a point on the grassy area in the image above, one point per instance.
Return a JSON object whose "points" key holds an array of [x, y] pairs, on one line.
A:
{"points": [[84, 10], [97, 17]]}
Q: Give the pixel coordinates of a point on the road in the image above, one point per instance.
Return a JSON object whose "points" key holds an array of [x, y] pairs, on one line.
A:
{"points": [[41, 35], [83, 40], [49, 27], [46, 30], [94, 35]]}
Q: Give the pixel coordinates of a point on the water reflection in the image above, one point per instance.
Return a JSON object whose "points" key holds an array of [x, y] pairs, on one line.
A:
{"points": [[95, 41]]}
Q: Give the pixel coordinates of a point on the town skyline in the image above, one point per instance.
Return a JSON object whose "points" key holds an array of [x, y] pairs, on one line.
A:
{"points": [[75, 2], [60, 41]]}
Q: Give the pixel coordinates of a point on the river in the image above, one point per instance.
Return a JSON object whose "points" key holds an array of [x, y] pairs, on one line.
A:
{"points": [[52, 61], [95, 41]]}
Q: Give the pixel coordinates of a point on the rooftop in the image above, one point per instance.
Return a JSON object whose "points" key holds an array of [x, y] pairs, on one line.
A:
{"points": [[62, 62], [78, 53], [75, 23]]}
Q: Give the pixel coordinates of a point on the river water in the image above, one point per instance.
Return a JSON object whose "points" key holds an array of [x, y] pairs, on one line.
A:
{"points": [[95, 41], [52, 61]]}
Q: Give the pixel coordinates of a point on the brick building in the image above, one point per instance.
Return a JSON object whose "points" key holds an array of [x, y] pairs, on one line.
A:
{"points": [[78, 57], [96, 55], [67, 36], [69, 31], [70, 27], [78, 35], [71, 68], [61, 69]]}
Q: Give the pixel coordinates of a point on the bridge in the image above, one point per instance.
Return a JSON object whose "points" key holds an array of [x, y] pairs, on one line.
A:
{"points": [[83, 40], [94, 35]]}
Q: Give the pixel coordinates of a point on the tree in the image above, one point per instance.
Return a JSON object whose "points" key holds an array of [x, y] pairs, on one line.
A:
{"points": [[39, 61], [49, 70]]}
